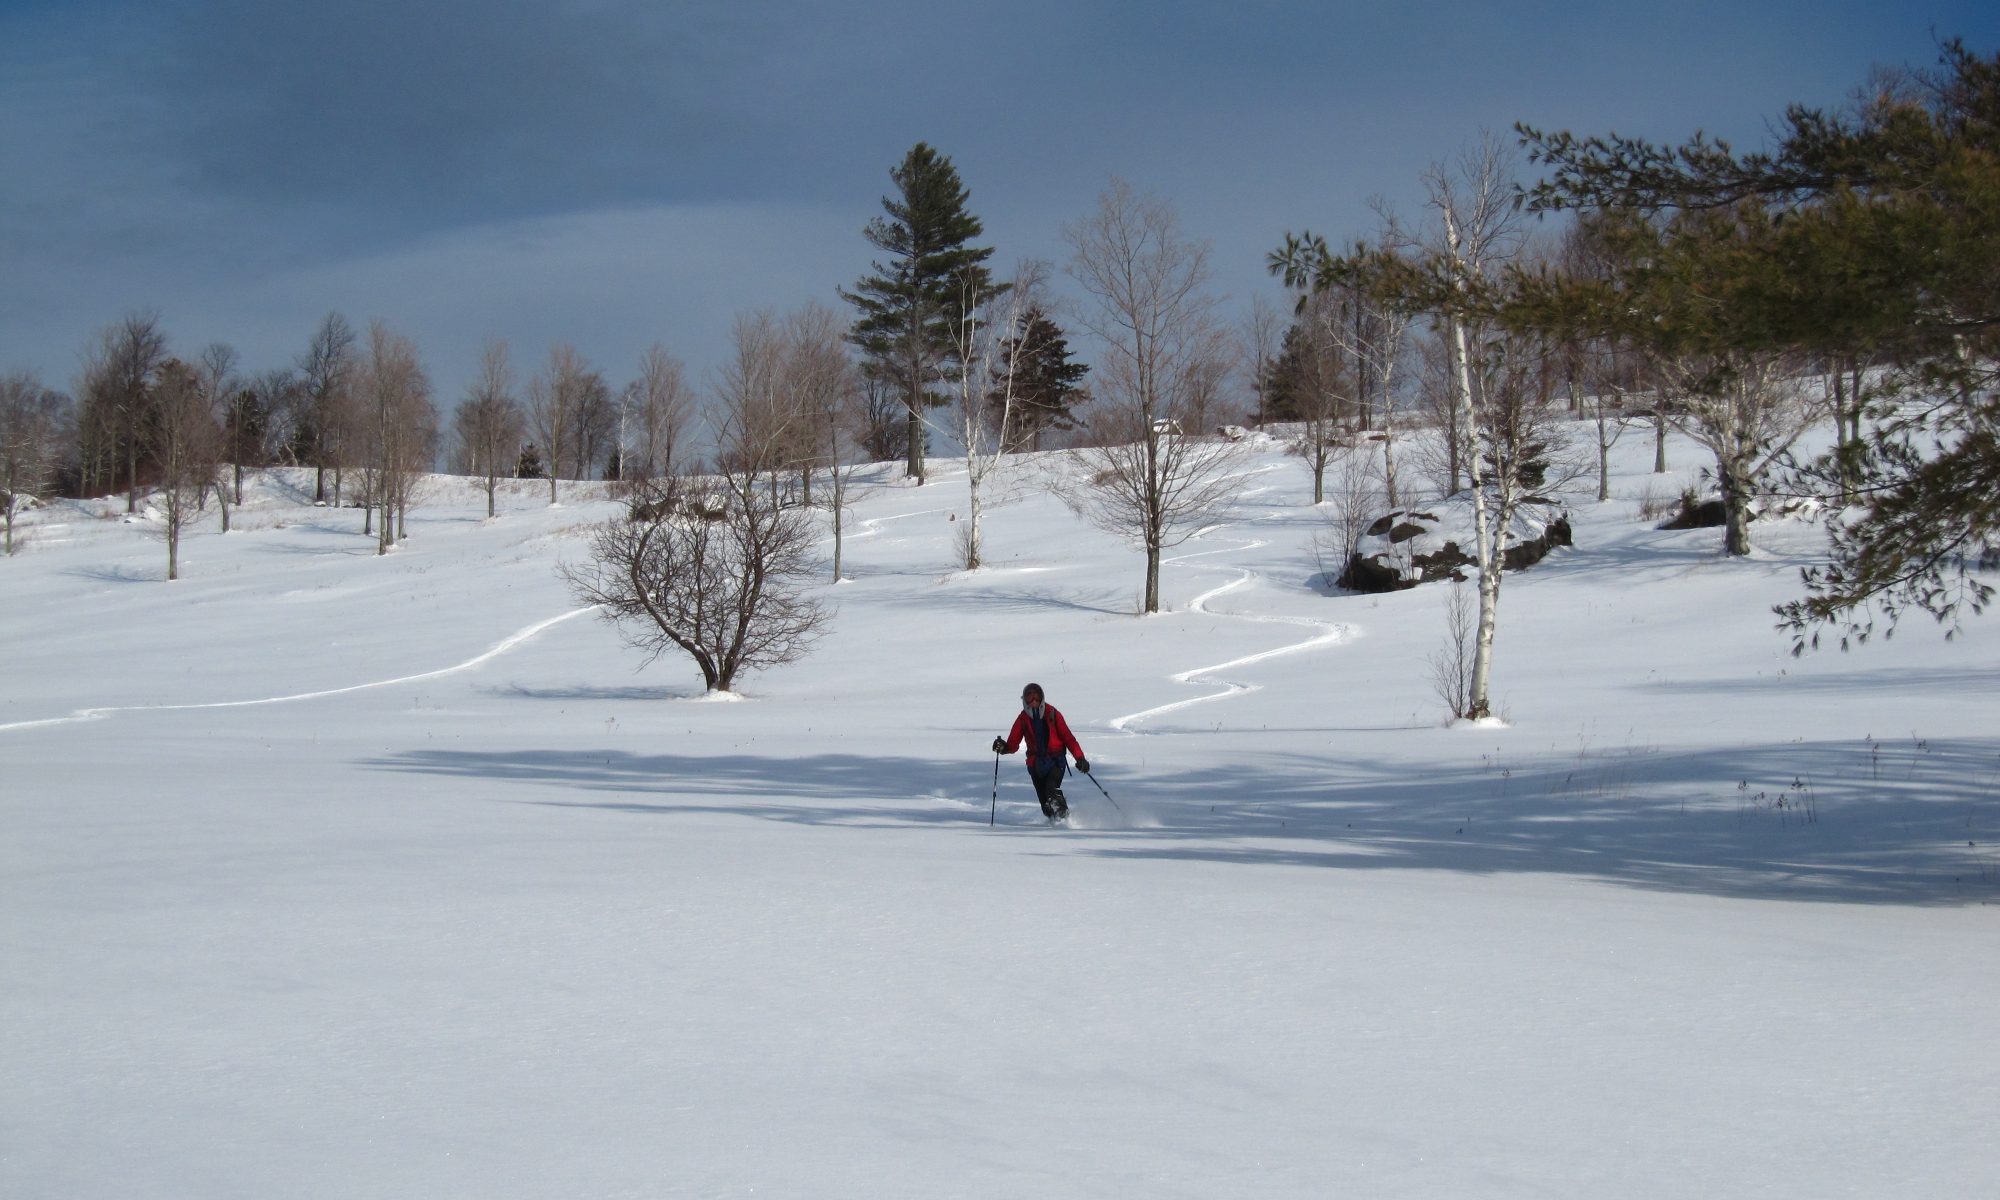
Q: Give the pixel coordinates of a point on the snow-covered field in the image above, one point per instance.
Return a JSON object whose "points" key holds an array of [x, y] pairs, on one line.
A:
{"points": [[330, 875]]}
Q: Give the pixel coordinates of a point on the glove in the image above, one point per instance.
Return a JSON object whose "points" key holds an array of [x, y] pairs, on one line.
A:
{"points": [[1083, 764], [999, 745]]}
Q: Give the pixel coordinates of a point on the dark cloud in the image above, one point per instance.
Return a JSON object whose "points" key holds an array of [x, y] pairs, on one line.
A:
{"points": [[243, 165], [463, 108]]}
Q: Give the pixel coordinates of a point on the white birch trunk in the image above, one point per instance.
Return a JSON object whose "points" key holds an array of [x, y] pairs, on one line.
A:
{"points": [[1478, 701]]}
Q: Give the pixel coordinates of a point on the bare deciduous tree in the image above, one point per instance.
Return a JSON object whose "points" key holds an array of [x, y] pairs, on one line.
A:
{"points": [[401, 427], [323, 414], [594, 428], [728, 590], [816, 379], [882, 410], [215, 369], [185, 445], [716, 566], [117, 392], [1603, 382], [825, 389], [1260, 332], [34, 427], [488, 421], [555, 397], [1352, 504], [1377, 342], [1322, 383], [1164, 352], [761, 428], [1746, 410], [262, 433], [659, 405], [1451, 665]]}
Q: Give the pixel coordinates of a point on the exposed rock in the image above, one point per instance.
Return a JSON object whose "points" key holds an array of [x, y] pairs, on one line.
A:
{"points": [[1705, 511], [1697, 513], [1407, 547]]}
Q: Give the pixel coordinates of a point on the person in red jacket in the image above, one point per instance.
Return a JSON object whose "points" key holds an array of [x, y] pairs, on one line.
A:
{"points": [[1048, 738]]}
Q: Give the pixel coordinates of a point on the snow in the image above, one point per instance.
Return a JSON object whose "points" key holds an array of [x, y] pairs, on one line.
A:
{"points": [[340, 875]]}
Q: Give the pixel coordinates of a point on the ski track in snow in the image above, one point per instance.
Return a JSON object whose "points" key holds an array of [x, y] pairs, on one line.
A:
{"points": [[499, 648], [873, 525], [1330, 633]]}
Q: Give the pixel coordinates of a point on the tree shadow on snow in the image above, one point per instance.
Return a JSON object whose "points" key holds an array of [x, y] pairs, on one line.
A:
{"points": [[116, 574], [833, 789], [1912, 823], [978, 596], [587, 692]]}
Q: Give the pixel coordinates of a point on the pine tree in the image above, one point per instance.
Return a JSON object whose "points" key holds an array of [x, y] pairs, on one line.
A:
{"points": [[1045, 383], [1865, 236], [912, 303]]}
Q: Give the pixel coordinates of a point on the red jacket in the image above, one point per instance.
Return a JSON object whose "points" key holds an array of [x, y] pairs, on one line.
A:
{"points": [[1060, 738]]}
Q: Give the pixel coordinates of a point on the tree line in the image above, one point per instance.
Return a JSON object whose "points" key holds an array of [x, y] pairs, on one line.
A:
{"points": [[1493, 349]]}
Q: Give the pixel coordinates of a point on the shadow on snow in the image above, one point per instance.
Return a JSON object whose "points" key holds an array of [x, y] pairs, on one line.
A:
{"points": [[1896, 823]]}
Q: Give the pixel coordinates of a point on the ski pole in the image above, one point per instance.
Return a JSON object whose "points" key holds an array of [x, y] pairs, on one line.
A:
{"points": [[1100, 787], [995, 807]]}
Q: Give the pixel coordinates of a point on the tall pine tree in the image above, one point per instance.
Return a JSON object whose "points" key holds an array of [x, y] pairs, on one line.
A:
{"points": [[931, 278]]}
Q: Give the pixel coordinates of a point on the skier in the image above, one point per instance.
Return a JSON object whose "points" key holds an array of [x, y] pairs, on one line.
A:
{"points": [[1048, 737]]}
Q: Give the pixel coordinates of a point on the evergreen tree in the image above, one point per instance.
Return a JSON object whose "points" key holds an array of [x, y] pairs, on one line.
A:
{"points": [[1868, 235], [1045, 382], [931, 279], [1302, 372]]}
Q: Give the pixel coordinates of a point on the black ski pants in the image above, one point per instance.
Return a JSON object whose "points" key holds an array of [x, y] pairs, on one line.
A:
{"points": [[1048, 776]]}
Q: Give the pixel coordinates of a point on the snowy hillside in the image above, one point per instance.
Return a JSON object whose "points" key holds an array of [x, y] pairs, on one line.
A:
{"points": [[332, 875]]}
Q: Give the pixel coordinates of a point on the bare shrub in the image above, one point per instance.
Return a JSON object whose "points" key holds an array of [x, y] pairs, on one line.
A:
{"points": [[1658, 502], [1451, 664], [1350, 507]]}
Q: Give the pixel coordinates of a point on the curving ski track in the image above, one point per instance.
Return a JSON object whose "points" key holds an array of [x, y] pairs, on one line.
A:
{"points": [[1329, 633], [499, 648]]}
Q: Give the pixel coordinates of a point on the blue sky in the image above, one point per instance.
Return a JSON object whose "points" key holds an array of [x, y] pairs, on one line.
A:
{"points": [[613, 173]]}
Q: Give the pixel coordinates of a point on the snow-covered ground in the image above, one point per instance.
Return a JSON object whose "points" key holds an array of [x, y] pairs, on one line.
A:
{"points": [[330, 875]]}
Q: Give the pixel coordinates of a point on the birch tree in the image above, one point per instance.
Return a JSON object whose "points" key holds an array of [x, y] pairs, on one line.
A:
{"points": [[1451, 278], [1474, 206], [985, 344]]}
